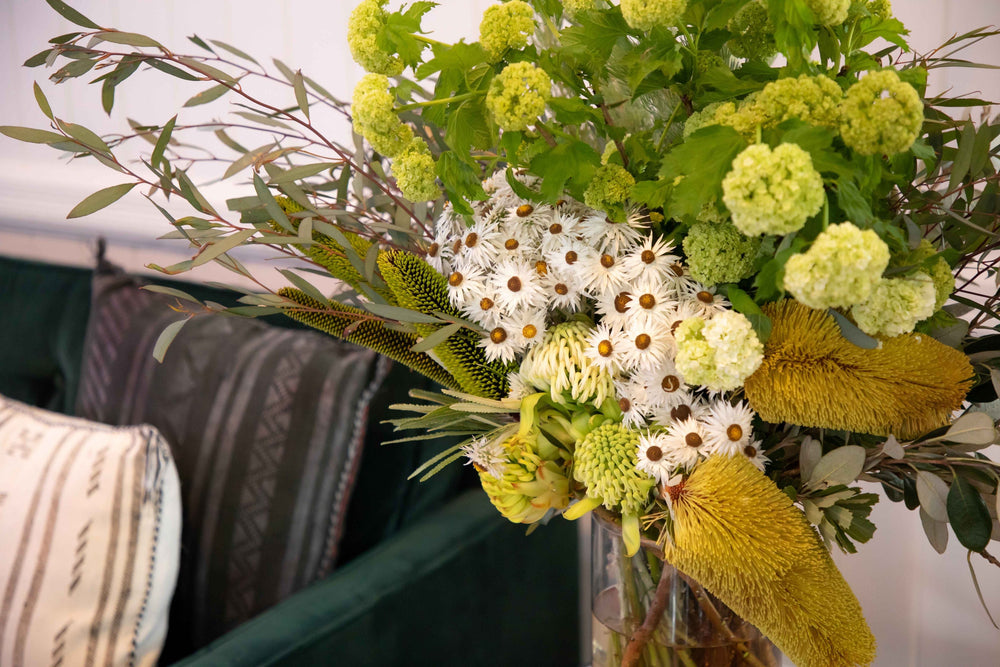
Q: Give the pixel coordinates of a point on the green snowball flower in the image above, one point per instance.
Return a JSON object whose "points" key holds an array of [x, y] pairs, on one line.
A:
{"points": [[375, 118], [710, 60], [646, 14], [703, 118], [881, 114], [719, 353], [575, 6], [896, 305], [609, 189], [829, 12], [939, 270], [753, 33], [605, 461], [813, 99], [840, 268], [506, 26], [367, 19], [880, 8], [772, 192], [719, 253], [414, 172], [517, 96], [745, 118]]}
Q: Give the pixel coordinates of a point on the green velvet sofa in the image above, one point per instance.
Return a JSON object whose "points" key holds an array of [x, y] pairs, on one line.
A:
{"points": [[428, 575]]}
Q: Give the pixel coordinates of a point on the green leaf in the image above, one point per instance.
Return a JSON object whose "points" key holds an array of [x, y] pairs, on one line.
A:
{"points": [[304, 171], [305, 286], [38, 59], [72, 15], [436, 338], [399, 314], [842, 465], [267, 199], [853, 203], [969, 516], [301, 98], [810, 452], [222, 246], [206, 70], [852, 333], [701, 162], [161, 142], [207, 95], [100, 199], [460, 181], [933, 494], [167, 68], [31, 135], [128, 38], [963, 159], [972, 428], [84, 136], [742, 303], [166, 337], [570, 165], [170, 291], [43, 103], [936, 531], [233, 50]]}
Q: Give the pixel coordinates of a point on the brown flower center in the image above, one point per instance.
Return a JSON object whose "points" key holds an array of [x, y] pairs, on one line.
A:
{"points": [[692, 440], [673, 327], [455, 279], [750, 451], [524, 210], [555, 228], [705, 297], [647, 301], [541, 268], [670, 384], [514, 284], [498, 335], [561, 289], [560, 202], [571, 257], [433, 250], [471, 240], [605, 348], [456, 246], [647, 257], [654, 453], [643, 341], [511, 244], [530, 331], [485, 303], [607, 261], [734, 432], [622, 301], [678, 269], [624, 404], [680, 413]]}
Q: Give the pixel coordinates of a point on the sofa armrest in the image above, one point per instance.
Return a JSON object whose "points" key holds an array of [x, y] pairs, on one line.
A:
{"points": [[462, 586]]}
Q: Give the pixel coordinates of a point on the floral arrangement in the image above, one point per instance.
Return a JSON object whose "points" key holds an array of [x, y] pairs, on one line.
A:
{"points": [[700, 266]]}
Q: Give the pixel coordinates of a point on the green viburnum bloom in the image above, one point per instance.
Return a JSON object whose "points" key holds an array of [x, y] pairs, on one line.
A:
{"points": [[896, 305], [880, 8], [710, 60], [772, 192], [753, 33], [881, 114], [375, 119], [609, 189], [414, 172], [813, 99], [700, 119], [559, 364], [574, 6], [719, 253], [367, 19], [939, 270], [532, 480], [829, 12], [840, 268], [517, 96], [506, 26], [745, 118], [646, 14], [719, 353]]}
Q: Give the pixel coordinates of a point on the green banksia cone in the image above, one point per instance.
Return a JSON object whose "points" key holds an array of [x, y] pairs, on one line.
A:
{"points": [[530, 484], [417, 286], [606, 462], [372, 334]]}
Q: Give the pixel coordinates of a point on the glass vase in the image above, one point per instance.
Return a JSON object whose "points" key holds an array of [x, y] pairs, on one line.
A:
{"points": [[694, 630]]}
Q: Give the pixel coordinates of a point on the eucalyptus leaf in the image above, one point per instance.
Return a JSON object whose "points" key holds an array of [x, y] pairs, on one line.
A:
{"points": [[810, 452], [972, 428], [400, 314], [306, 286], [936, 531], [207, 95], [100, 199], [31, 135], [301, 97], [969, 516], [852, 333], [933, 494], [436, 338], [72, 15], [892, 448], [217, 248], [166, 337], [170, 291]]}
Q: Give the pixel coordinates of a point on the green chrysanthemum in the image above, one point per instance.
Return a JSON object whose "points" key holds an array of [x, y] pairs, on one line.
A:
{"points": [[560, 365], [813, 99], [839, 269], [375, 118], [896, 305], [415, 173], [718, 354], [367, 19], [609, 189], [517, 96], [646, 14], [772, 192], [754, 33], [533, 480], [829, 12], [881, 114], [506, 26], [719, 253]]}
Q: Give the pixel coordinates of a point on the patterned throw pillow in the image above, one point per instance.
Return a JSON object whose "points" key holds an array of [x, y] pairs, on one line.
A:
{"points": [[90, 523], [267, 426]]}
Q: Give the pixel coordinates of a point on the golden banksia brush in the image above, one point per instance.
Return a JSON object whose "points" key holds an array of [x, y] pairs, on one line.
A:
{"points": [[813, 376], [740, 537]]}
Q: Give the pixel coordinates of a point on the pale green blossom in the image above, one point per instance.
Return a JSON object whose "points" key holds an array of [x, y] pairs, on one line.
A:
{"points": [[829, 12], [719, 353], [719, 253], [363, 27], [772, 192], [939, 270], [374, 116], [414, 172], [517, 95], [606, 463], [506, 26], [813, 99], [574, 6], [646, 14], [881, 114], [703, 118], [753, 33], [896, 305], [609, 189], [840, 268]]}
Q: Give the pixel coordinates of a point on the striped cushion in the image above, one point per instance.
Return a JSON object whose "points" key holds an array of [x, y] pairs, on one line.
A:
{"points": [[90, 526], [267, 426]]}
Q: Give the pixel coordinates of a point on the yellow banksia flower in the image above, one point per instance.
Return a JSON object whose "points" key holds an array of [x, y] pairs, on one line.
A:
{"points": [[813, 376], [740, 537], [533, 481]]}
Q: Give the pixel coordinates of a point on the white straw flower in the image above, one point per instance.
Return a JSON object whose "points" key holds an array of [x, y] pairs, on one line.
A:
{"points": [[502, 343], [631, 403], [754, 452], [654, 459], [602, 233], [530, 325], [519, 386], [654, 304], [564, 290], [572, 256], [653, 260], [604, 274], [705, 299], [484, 312], [605, 347], [480, 245], [728, 427], [664, 385], [560, 228], [685, 442], [517, 286], [466, 287], [648, 344]]}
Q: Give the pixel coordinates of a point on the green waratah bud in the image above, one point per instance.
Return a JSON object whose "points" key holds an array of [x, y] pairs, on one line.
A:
{"points": [[881, 114], [719, 253], [605, 461]]}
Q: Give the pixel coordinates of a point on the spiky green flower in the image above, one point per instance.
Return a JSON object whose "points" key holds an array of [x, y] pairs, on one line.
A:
{"points": [[517, 96], [719, 253], [647, 14], [533, 481], [719, 353], [813, 99], [375, 118], [939, 271], [839, 269], [415, 173], [881, 114], [559, 364], [896, 305], [367, 19], [829, 12], [506, 26], [370, 333], [753, 33], [605, 461], [609, 189], [772, 192]]}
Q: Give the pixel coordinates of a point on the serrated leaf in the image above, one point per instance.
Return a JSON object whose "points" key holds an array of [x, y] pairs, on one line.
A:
{"points": [[72, 15], [301, 98], [969, 516], [852, 333], [100, 199], [161, 142], [810, 453], [936, 531], [208, 95], [436, 338], [972, 428], [166, 337], [933, 494], [839, 466], [31, 135], [892, 448]]}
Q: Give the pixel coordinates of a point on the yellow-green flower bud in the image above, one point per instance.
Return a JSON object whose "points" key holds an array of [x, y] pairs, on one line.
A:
{"points": [[506, 26], [414, 172], [375, 118], [896, 305], [517, 96], [881, 114], [719, 353], [609, 189], [753, 33], [605, 461], [813, 99], [719, 253], [829, 12], [530, 484], [646, 14], [363, 27]]}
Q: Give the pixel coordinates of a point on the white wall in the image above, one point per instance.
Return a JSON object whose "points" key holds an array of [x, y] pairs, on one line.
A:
{"points": [[922, 606]]}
